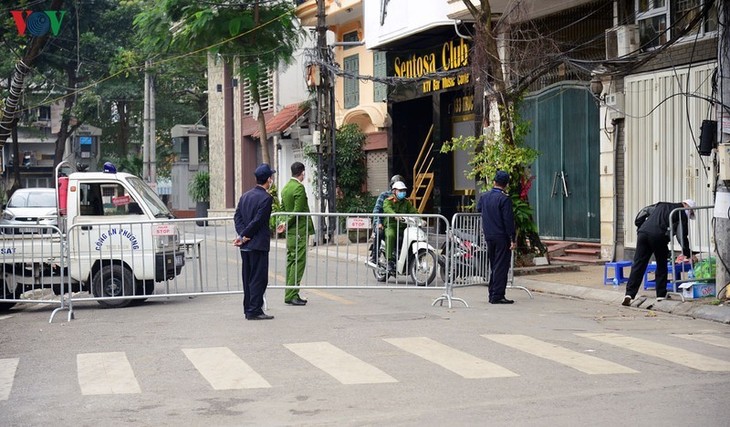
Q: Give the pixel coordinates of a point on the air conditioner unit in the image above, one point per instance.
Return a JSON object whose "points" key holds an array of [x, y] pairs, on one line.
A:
{"points": [[621, 41]]}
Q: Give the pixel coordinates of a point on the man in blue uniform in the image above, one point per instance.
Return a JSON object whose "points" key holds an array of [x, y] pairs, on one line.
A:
{"points": [[498, 224], [252, 226]]}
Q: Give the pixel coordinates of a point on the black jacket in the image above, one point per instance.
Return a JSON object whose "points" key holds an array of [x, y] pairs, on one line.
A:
{"points": [[252, 219], [657, 224], [498, 220]]}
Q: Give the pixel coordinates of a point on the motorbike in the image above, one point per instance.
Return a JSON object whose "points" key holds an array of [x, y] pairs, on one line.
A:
{"points": [[469, 259], [414, 255]]}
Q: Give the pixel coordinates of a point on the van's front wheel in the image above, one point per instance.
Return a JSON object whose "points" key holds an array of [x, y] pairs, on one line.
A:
{"points": [[113, 281]]}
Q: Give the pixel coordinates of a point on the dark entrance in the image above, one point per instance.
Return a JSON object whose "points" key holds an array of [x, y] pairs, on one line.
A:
{"points": [[411, 121], [565, 130]]}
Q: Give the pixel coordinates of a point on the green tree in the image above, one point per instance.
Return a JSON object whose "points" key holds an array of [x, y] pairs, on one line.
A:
{"points": [[495, 152], [530, 58], [351, 170], [255, 35]]}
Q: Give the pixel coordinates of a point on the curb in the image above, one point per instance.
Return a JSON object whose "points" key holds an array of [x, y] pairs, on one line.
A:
{"points": [[715, 313]]}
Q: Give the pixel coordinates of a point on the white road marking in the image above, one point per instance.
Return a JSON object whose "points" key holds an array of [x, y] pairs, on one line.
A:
{"points": [[715, 340], [223, 369], [672, 354], [7, 316], [106, 373], [588, 364], [456, 361], [7, 376], [343, 366]]}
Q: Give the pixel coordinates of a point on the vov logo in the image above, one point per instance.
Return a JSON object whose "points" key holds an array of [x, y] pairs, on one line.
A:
{"points": [[38, 23]]}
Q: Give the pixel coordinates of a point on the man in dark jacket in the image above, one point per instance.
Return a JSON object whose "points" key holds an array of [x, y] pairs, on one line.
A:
{"points": [[252, 226], [498, 224], [653, 238]]}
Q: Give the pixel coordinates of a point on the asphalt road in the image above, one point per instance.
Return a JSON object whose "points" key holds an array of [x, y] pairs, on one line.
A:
{"points": [[363, 357]]}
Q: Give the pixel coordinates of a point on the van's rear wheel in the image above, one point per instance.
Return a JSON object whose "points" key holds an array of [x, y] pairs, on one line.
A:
{"points": [[113, 281]]}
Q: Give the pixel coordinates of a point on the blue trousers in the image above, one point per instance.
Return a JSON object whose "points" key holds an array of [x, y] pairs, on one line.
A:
{"points": [[500, 258], [255, 274]]}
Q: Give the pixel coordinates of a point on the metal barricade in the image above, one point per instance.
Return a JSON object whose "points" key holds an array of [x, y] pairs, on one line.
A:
{"points": [[122, 263], [347, 260], [465, 256], [33, 263], [702, 241], [118, 263]]}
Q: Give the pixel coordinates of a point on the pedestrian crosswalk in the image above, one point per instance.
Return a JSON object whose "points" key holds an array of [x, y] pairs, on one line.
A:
{"points": [[111, 373], [106, 373], [223, 369], [456, 361]]}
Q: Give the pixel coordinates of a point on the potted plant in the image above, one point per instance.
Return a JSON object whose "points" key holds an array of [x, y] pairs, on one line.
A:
{"points": [[199, 190]]}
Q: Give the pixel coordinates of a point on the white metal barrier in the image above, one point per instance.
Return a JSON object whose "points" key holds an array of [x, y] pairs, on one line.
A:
{"points": [[702, 244], [31, 270], [122, 263], [465, 256]]}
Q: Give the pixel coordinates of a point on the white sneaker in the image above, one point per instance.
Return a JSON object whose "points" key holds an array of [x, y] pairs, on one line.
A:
{"points": [[627, 301]]}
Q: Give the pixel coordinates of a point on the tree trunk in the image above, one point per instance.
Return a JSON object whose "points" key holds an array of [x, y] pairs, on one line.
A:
{"points": [[263, 137], [68, 103], [22, 68]]}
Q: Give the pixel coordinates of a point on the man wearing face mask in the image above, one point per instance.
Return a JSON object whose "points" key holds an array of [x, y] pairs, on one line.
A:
{"points": [[395, 204], [298, 229]]}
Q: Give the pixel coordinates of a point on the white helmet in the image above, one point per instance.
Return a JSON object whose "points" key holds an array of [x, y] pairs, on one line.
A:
{"points": [[399, 185]]}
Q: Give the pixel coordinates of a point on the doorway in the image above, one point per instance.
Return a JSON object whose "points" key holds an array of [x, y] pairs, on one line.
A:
{"points": [[564, 123]]}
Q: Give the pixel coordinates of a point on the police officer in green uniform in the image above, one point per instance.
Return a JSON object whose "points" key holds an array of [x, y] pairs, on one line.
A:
{"points": [[395, 204], [299, 228]]}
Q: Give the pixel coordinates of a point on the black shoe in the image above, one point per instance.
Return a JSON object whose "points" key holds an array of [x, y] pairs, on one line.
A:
{"points": [[503, 301], [627, 301], [261, 316], [296, 301]]}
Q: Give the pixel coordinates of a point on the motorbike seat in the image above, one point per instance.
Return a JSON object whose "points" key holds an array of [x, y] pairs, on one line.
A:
{"points": [[476, 239]]}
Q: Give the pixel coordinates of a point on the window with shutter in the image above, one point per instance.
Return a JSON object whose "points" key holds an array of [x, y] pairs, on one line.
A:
{"points": [[380, 90], [352, 92], [266, 94]]}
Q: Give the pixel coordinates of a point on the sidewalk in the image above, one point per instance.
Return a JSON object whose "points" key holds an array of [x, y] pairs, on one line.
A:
{"points": [[586, 282]]}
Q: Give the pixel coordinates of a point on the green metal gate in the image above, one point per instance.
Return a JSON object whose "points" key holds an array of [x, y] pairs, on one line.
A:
{"points": [[565, 193]]}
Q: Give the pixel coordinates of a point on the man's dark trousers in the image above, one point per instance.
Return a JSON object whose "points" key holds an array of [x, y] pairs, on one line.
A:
{"points": [[646, 245], [499, 261], [255, 278]]}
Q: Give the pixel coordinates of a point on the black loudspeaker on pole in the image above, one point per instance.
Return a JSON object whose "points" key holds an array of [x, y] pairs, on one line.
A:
{"points": [[708, 137]]}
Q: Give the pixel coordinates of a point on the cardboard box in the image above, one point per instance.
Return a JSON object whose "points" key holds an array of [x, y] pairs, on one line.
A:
{"points": [[694, 290]]}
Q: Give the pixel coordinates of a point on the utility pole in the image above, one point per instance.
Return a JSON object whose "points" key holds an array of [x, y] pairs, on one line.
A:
{"points": [[325, 126], [149, 142], [722, 194]]}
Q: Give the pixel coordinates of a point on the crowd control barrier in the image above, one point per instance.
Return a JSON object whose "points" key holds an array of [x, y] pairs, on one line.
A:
{"points": [[466, 251], [116, 264], [33, 262], [120, 263], [703, 246]]}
